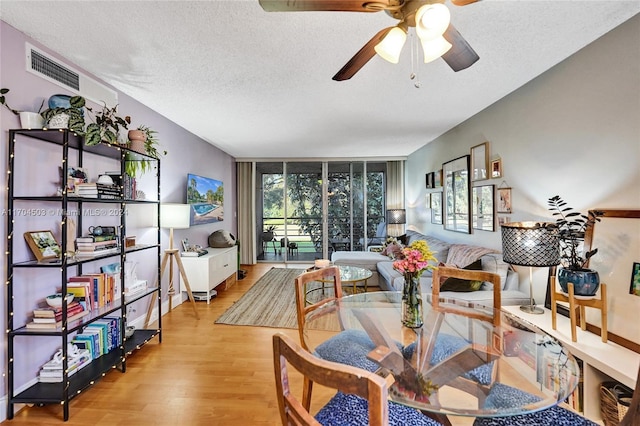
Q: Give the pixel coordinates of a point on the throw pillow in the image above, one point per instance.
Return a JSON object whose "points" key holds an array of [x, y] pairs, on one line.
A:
{"points": [[460, 285]]}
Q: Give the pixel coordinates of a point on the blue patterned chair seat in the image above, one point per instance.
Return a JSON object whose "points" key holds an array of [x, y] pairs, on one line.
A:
{"points": [[502, 396], [445, 346], [345, 409], [349, 347]]}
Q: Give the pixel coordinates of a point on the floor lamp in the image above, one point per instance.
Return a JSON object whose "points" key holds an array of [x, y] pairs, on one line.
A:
{"points": [[396, 217], [532, 244], [175, 216]]}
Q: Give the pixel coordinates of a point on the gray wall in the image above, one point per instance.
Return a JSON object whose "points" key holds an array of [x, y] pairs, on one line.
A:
{"points": [[574, 131]]}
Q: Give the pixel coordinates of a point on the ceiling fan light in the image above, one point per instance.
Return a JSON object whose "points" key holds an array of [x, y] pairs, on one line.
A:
{"points": [[432, 20], [391, 45], [433, 49]]}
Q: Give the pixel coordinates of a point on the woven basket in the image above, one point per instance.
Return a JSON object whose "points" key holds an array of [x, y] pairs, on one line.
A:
{"points": [[614, 402]]}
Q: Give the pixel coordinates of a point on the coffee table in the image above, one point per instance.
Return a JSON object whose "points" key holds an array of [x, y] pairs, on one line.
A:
{"points": [[348, 275]]}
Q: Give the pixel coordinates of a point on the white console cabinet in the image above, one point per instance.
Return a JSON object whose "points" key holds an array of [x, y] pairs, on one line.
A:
{"points": [[206, 272], [601, 361]]}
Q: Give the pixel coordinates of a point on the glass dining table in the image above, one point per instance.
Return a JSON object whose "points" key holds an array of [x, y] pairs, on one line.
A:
{"points": [[466, 359]]}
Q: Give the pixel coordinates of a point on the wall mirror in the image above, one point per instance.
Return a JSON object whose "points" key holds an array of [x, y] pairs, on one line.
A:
{"points": [[483, 208], [456, 190]]}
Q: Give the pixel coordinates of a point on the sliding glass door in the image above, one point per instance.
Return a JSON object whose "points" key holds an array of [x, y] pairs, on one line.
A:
{"points": [[307, 210]]}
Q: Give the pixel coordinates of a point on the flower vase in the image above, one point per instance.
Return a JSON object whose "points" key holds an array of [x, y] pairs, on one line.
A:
{"points": [[411, 302]]}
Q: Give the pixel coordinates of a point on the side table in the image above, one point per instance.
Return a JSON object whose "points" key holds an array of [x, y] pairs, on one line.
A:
{"points": [[576, 302]]}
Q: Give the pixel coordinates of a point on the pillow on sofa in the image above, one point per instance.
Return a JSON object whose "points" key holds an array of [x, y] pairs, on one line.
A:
{"points": [[460, 285], [493, 263]]}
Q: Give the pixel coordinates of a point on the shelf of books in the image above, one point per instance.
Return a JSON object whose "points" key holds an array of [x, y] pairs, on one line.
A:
{"points": [[88, 333]]}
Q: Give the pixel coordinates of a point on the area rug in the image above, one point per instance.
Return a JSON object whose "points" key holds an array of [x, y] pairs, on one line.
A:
{"points": [[271, 302]]}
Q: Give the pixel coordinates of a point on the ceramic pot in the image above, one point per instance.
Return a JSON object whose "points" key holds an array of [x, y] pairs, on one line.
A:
{"points": [[137, 135], [585, 281], [31, 120], [59, 121], [137, 146]]}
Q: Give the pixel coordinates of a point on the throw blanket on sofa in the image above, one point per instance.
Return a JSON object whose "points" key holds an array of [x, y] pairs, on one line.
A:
{"points": [[462, 255]]}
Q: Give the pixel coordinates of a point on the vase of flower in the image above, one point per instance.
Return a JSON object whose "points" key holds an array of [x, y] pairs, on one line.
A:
{"points": [[411, 302]]}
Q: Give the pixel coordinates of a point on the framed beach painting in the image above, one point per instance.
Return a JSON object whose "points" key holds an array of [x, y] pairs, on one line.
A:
{"points": [[206, 197]]}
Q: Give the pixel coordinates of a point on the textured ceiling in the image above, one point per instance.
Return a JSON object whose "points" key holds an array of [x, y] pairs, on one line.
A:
{"points": [[258, 84]]}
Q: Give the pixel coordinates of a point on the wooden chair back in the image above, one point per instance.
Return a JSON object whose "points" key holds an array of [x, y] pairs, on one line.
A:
{"points": [[632, 418], [330, 275], [442, 272], [347, 379]]}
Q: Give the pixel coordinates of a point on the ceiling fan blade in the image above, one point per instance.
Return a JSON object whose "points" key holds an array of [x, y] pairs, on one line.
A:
{"points": [[463, 2], [461, 55], [361, 58], [328, 5]]}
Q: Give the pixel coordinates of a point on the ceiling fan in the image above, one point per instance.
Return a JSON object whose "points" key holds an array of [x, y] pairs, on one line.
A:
{"points": [[430, 18]]}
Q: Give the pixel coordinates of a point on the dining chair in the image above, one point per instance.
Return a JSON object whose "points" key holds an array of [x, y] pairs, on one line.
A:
{"points": [[349, 347], [556, 415], [362, 396]]}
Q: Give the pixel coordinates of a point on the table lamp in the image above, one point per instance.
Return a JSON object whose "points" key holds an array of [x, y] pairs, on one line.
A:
{"points": [[532, 244], [396, 217], [175, 216]]}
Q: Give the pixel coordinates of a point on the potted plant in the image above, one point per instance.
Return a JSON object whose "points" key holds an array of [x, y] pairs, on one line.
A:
{"points": [[136, 166], [269, 233], [106, 126], [572, 226], [70, 117], [28, 119]]}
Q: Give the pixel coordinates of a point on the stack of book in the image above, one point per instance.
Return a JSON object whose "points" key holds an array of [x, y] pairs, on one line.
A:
{"points": [[96, 245], [51, 318], [97, 190], [51, 372]]}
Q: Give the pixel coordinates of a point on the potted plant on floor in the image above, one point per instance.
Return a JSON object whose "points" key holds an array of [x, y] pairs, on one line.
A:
{"points": [[572, 226]]}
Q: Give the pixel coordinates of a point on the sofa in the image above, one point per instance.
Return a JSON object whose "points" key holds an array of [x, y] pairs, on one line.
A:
{"points": [[460, 255]]}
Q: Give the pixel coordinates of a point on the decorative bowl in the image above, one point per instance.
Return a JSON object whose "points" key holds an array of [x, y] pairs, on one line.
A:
{"points": [[55, 300]]}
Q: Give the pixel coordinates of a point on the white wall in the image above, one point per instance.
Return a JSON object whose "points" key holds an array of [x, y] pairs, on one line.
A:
{"points": [[574, 131]]}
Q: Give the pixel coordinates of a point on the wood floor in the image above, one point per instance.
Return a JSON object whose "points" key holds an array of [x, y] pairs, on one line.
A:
{"points": [[201, 374]]}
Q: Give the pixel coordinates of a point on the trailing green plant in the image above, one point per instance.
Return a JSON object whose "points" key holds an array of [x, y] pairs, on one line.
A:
{"points": [[106, 125], [75, 113], [3, 101], [572, 227], [135, 166]]}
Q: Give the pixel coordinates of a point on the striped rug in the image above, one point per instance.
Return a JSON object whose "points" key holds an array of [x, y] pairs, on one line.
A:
{"points": [[270, 302]]}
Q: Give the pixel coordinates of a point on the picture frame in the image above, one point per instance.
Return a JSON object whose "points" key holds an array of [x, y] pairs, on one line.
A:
{"points": [[437, 180], [456, 197], [429, 177], [504, 200], [496, 168], [436, 208], [503, 219], [483, 208], [634, 287], [43, 245], [479, 161]]}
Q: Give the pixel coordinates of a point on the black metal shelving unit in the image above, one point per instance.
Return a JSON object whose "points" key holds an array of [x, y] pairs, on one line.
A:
{"points": [[70, 386]]}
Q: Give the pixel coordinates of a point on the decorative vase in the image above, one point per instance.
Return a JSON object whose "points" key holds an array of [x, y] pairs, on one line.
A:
{"points": [[585, 281], [59, 121], [137, 138], [411, 302]]}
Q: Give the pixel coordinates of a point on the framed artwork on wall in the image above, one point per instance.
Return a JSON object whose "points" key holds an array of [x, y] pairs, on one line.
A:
{"points": [[479, 161], [430, 180], [206, 197], [483, 217], [437, 180], [456, 195], [436, 208], [504, 200], [496, 168], [635, 279]]}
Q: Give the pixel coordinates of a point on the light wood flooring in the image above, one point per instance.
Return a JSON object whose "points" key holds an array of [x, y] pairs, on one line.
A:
{"points": [[201, 374]]}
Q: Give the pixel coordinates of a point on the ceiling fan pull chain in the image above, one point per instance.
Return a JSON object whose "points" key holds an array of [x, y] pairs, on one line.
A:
{"points": [[417, 84], [413, 74]]}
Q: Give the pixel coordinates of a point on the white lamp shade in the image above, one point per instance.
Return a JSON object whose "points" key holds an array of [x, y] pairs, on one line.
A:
{"points": [[174, 215], [435, 48], [432, 21], [391, 45]]}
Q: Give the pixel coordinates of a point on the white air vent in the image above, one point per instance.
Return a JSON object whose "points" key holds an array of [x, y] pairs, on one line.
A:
{"points": [[40, 64]]}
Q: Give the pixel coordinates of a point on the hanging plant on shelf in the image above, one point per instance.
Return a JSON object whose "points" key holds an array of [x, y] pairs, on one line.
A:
{"points": [[136, 166]]}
